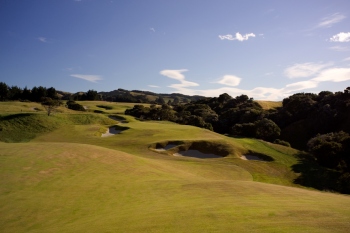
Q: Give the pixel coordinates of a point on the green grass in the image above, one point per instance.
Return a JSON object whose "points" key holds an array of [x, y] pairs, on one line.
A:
{"points": [[66, 178], [107, 107]]}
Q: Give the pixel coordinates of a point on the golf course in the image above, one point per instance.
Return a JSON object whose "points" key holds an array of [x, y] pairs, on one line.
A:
{"points": [[103, 171]]}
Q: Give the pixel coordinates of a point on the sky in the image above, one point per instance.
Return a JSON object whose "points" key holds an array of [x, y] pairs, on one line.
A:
{"points": [[266, 49]]}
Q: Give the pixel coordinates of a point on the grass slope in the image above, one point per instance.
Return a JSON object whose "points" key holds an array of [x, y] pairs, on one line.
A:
{"points": [[65, 187], [66, 178]]}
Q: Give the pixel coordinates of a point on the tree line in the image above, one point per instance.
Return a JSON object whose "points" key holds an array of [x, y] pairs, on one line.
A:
{"points": [[36, 94]]}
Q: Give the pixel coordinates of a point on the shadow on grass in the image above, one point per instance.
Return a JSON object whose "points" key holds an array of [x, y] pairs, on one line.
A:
{"points": [[313, 175], [14, 116]]}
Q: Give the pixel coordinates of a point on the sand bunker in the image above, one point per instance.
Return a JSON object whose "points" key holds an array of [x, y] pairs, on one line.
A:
{"points": [[167, 147], [251, 157], [111, 131], [197, 154]]}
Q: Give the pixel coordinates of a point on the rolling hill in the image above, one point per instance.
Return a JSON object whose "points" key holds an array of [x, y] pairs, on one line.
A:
{"points": [[57, 174]]}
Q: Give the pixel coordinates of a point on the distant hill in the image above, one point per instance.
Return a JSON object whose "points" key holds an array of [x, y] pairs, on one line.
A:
{"points": [[138, 96]]}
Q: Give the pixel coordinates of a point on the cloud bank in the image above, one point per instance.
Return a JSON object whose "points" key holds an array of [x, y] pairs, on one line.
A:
{"points": [[90, 78], [238, 36], [317, 73]]}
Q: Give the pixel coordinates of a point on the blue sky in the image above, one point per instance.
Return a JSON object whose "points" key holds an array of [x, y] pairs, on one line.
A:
{"points": [[266, 49]]}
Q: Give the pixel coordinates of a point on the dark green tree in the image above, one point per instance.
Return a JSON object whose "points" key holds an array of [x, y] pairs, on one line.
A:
{"points": [[331, 150], [4, 91], [91, 95], [267, 130], [15, 93], [160, 100], [51, 93]]}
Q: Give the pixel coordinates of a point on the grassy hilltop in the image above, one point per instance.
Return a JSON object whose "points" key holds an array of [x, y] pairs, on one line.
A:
{"points": [[57, 174]]}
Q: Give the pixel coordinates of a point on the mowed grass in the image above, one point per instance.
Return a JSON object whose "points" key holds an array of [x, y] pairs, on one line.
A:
{"points": [[66, 187], [69, 179], [107, 107]]}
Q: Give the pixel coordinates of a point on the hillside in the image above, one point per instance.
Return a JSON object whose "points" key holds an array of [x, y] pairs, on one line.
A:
{"points": [[62, 176]]}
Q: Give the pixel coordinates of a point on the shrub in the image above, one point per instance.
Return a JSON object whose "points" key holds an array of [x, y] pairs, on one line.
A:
{"points": [[75, 106], [281, 142]]}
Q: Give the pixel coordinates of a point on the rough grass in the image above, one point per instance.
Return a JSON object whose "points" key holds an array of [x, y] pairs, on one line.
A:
{"points": [[69, 179]]}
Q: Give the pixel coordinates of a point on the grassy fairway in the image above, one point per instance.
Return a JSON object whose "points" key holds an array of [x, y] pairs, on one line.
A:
{"points": [[67, 178]]}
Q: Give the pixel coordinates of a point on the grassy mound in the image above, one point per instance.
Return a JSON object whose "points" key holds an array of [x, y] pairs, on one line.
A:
{"points": [[220, 148], [23, 127]]}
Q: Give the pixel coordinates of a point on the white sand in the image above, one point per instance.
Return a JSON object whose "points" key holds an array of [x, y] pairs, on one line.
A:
{"points": [[111, 131], [251, 157], [196, 154]]}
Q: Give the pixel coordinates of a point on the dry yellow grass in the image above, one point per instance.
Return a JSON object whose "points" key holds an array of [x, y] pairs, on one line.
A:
{"points": [[269, 104]]}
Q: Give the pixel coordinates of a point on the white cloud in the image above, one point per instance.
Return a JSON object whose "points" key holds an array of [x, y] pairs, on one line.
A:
{"points": [[347, 59], [333, 75], [238, 36], [298, 86], [230, 80], [42, 39], [177, 74], [154, 86], [304, 70], [152, 29], [330, 20], [341, 37], [90, 78]]}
